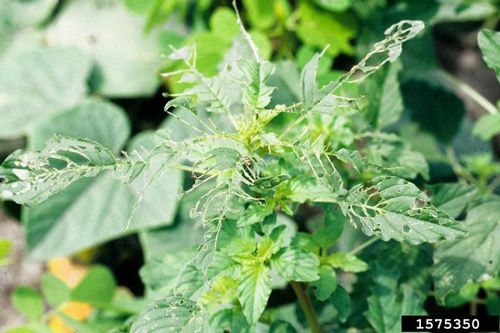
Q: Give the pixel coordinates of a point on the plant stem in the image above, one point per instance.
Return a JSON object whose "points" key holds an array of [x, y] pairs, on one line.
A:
{"points": [[307, 307], [460, 85], [364, 245]]}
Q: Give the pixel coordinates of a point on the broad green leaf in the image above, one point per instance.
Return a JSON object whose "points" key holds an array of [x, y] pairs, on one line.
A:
{"points": [[28, 301], [261, 13], [331, 230], [452, 198], [223, 24], [36, 84], [319, 29], [5, 248], [294, 264], [172, 314], [487, 126], [489, 42], [22, 13], [399, 211], [341, 301], [472, 259], [91, 211], [97, 287], [183, 234], [346, 261], [440, 112], [334, 5], [127, 59], [55, 291], [94, 119], [326, 284], [254, 290]]}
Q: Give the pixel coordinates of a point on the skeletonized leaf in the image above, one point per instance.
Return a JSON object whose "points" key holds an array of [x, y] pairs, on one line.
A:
{"points": [[392, 208], [387, 50], [30, 178], [172, 314]]}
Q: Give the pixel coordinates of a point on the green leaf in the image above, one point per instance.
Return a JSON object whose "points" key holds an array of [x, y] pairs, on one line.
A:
{"points": [[452, 198], [334, 5], [183, 102], [172, 314], [25, 13], [28, 301], [5, 248], [294, 264], [428, 111], [387, 304], [254, 290], [55, 291], [97, 287], [386, 102], [34, 177], [346, 261], [94, 119], [399, 211], [319, 29], [223, 24], [331, 230], [91, 211], [395, 157], [487, 126], [472, 259], [121, 53], [326, 284], [489, 42], [160, 274], [280, 326], [30, 328], [341, 301], [36, 84], [260, 13], [231, 320], [185, 233]]}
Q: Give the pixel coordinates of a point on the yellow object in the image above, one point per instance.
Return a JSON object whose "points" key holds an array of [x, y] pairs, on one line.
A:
{"points": [[70, 273]]}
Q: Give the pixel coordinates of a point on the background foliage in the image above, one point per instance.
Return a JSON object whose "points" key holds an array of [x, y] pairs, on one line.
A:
{"points": [[91, 69]]}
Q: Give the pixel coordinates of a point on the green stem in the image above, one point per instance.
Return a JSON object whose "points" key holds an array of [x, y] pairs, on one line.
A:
{"points": [[364, 245], [307, 307], [459, 85]]}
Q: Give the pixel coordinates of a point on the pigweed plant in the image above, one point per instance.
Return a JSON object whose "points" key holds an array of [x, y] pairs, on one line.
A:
{"points": [[252, 162]]}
